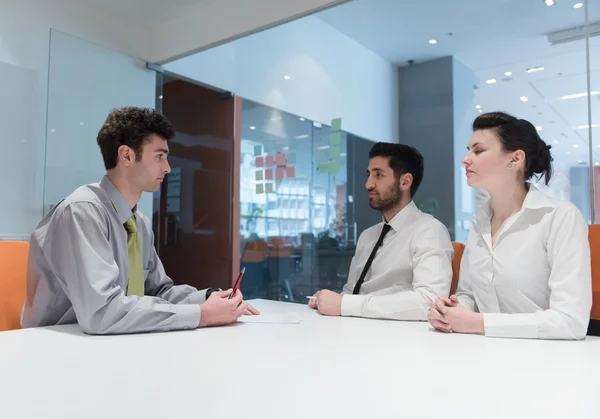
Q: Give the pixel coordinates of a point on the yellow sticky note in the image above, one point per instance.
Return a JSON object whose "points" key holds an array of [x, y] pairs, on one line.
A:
{"points": [[259, 175], [269, 187], [260, 188], [335, 138], [322, 167], [336, 124], [334, 166], [334, 152]]}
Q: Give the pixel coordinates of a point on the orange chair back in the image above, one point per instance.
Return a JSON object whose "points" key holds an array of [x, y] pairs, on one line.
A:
{"points": [[594, 238], [459, 249], [13, 289]]}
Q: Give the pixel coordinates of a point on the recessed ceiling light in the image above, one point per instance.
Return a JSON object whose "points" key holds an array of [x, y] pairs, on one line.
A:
{"points": [[490, 81], [577, 5], [286, 77], [575, 145], [480, 111], [52, 130], [302, 119], [524, 99], [302, 136], [432, 41], [534, 69], [508, 74], [81, 124], [286, 148], [578, 95], [477, 106], [539, 128], [160, 97], [586, 126], [323, 147], [549, 2], [252, 127]]}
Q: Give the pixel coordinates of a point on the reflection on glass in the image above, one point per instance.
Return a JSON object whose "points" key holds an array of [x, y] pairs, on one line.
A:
{"points": [[294, 230]]}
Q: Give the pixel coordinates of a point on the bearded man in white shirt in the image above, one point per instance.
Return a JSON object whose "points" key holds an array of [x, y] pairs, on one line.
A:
{"points": [[402, 263]]}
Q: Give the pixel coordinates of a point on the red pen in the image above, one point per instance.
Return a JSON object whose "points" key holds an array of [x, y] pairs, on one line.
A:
{"points": [[237, 283]]}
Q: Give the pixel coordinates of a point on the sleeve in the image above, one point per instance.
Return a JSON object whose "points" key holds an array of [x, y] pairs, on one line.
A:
{"points": [[160, 285], [432, 275], [570, 286], [464, 292], [352, 274], [82, 259]]}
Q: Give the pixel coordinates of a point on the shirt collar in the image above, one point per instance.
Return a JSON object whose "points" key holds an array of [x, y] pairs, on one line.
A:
{"points": [[117, 199], [404, 216], [533, 200]]}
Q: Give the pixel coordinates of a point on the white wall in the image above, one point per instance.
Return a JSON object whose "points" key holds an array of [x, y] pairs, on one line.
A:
{"points": [[331, 76], [210, 22], [24, 53]]}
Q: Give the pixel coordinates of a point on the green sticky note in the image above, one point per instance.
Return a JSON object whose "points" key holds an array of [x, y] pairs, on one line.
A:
{"points": [[259, 188], [259, 175], [336, 124], [323, 167], [334, 166], [335, 138], [269, 187], [334, 152]]}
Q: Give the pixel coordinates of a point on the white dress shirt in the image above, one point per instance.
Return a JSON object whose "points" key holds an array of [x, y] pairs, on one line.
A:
{"points": [[535, 281], [412, 267]]}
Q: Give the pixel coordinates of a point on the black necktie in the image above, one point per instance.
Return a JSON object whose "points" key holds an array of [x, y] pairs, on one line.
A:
{"points": [[384, 231]]}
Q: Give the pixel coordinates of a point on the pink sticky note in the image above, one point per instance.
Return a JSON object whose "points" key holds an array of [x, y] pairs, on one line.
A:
{"points": [[260, 161], [270, 161], [290, 171], [280, 160], [269, 174], [279, 173]]}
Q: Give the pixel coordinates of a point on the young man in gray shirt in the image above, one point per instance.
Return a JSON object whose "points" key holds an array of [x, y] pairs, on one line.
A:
{"points": [[92, 258]]}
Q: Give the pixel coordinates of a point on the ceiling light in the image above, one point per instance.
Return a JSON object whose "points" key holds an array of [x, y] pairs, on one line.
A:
{"points": [[432, 41], [252, 127], [299, 137], [524, 99], [286, 77], [555, 142], [343, 154], [160, 97], [577, 5], [81, 124], [574, 33], [580, 161], [286, 148], [549, 2], [508, 74], [52, 130], [491, 81], [534, 69], [596, 163], [578, 95], [575, 145], [477, 106], [323, 147], [302, 119], [539, 128], [586, 126], [480, 111]]}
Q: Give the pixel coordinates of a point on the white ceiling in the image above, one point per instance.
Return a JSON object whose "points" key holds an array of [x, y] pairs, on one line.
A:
{"points": [[493, 37], [148, 12]]}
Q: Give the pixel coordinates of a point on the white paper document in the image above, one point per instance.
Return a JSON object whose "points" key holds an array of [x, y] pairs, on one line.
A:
{"points": [[274, 318]]}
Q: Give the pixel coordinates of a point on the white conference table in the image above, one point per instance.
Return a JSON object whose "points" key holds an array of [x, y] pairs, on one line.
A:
{"points": [[323, 367]]}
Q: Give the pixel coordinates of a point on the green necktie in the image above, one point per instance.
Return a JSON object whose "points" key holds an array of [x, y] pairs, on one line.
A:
{"points": [[136, 267]]}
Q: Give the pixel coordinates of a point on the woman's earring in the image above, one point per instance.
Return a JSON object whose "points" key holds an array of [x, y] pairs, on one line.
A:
{"points": [[509, 165]]}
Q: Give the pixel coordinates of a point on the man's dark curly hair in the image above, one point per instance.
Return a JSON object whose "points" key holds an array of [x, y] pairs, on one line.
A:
{"points": [[130, 126]]}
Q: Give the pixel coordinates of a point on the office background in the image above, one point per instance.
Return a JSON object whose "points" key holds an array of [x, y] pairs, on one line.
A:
{"points": [[274, 127]]}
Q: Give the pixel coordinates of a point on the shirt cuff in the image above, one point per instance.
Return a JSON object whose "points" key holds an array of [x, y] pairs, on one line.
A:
{"points": [[352, 305], [197, 297], [188, 316], [501, 325]]}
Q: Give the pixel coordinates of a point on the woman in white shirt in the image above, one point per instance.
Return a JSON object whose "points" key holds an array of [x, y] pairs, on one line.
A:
{"points": [[525, 272]]}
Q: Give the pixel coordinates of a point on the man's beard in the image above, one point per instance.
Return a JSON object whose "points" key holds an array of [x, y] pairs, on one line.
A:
{"points": [[389, 200]]}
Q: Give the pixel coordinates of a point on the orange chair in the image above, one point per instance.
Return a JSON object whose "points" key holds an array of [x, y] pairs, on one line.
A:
{"points": [[594, 238], [459, 249], [13, 273]]}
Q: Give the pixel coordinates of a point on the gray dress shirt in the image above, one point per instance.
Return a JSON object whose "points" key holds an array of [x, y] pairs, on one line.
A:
{"points": [[78, 270]]}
